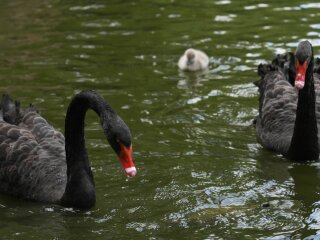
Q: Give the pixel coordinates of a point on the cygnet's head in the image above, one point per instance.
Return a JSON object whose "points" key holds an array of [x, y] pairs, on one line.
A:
{"points": [[190, 56]]}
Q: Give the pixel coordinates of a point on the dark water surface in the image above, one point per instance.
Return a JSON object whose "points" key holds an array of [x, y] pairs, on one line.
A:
{"points": [[201, 172]]}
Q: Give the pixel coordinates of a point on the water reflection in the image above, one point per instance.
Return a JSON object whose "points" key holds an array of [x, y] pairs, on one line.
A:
{"points": [[297, 186], [191, 80], [306, 178]]}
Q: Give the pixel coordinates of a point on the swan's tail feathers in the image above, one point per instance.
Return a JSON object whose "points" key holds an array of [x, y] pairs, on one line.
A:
{"points": [[281, 60], [11, 112], [10, 109], [263, 70], [32, 108], [286, 63], [316, 67]]}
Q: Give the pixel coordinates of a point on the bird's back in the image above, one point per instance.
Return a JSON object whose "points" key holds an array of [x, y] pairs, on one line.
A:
{"points": [[277, 108], [32, 155]]}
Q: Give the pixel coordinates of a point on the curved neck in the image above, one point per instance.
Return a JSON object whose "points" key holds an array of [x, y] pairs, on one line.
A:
{"points": [[304, 142], [80, 190]]}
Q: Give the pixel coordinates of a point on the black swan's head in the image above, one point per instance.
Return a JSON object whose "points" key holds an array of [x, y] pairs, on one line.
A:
{"points": [[119, 137], [304, 55]]}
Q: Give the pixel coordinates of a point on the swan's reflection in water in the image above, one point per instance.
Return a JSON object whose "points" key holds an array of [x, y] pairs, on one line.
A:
{"points": [[301, 190], [306, 178], [191, 80]]}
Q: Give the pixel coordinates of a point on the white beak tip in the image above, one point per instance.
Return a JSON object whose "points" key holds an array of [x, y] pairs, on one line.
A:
{"points": [[299, 84], [131, 171]]}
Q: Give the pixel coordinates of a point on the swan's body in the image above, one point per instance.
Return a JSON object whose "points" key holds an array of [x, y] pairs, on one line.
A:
{"points": [[193, 60], [38, 163], [288, 117]]}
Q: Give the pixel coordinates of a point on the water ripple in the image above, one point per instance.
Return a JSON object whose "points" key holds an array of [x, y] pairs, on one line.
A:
{"points": [[253, 7], [222, 2], [225, 18], [102, 24], [85, 8], [242, 90], [296, 8], [310, 5]]}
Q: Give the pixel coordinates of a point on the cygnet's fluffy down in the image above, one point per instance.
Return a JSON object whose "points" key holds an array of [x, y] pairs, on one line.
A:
{"points": [[193, 60]]}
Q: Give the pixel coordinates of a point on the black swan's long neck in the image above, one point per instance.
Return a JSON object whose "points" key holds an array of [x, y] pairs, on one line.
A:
{"points": [[80, 190], [304, 143]]}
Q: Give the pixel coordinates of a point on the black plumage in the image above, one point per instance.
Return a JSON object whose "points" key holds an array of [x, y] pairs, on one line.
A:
{"points": [[38, 163], [289, 116]]}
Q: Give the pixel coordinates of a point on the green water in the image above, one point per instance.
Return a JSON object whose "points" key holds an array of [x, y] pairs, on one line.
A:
{"points": [[201, 172]]}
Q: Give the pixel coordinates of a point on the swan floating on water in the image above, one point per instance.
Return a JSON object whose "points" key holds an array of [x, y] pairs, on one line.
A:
{"points": [[38, 163], [193, 60], [289, 108]]}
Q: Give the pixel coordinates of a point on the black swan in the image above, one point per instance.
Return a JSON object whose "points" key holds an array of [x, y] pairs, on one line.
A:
{"points": [[288, 110], [38, 163]]}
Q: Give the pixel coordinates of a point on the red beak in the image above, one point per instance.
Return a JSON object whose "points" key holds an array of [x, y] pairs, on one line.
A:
{"points": [[300, 75], [125, 158]]}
